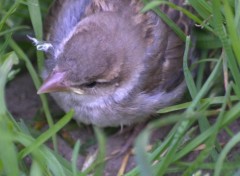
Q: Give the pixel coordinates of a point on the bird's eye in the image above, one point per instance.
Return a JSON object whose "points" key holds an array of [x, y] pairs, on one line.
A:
{"points": [[90, 85]]}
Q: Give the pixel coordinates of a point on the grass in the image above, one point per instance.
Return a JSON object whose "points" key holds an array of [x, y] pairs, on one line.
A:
{"points": [[215, 96]]}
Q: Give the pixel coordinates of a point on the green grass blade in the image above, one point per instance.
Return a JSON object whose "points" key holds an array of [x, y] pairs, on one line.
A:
{"points": [[8, 151], [187, 73], [8, 14], [36, 82], [48, 134], [141, 157], [221, 32], [234, 141], [168, 21], [206, 86], [98, 171], [75, 157], [163, 165], [232, 28], [35, 16]]}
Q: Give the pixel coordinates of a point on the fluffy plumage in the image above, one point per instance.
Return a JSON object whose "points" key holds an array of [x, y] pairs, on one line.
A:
{"points": [[113, 64]]}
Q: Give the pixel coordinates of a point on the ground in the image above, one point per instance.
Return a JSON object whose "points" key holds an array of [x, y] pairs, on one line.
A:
{"points": [[24, 103]]}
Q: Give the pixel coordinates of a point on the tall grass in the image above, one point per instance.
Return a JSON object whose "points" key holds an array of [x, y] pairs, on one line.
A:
{"points": [[215, 96]]}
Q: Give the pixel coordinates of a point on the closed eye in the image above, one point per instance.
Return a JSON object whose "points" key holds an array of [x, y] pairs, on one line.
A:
{"points": [[90, 85]]}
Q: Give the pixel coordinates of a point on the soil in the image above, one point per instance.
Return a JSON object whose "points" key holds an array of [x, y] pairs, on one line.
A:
{"points": [[24, 103]]}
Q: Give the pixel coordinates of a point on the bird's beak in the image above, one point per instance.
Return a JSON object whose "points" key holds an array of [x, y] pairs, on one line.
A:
{"points": [[54, 83]]}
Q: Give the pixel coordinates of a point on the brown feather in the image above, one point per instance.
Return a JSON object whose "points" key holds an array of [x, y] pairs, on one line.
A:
{"points": [[134, 59]]}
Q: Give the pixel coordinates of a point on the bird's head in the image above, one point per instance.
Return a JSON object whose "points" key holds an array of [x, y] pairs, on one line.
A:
{"points": [[97, 57]]}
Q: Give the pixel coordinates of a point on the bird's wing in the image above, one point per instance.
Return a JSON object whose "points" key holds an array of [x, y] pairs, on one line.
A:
{"points": [[165, 54]]}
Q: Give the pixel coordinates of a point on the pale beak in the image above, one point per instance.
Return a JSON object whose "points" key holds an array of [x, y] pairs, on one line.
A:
{"points": [[54, 83]]}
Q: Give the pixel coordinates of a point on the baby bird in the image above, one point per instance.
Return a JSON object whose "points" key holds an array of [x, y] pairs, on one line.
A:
{"points": [[111, 63]]}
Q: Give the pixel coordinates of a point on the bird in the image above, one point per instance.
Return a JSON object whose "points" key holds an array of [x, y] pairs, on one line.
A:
{"points": [[111, 63]]}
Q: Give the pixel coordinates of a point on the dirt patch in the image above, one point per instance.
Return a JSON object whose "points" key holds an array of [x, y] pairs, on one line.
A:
{"points": [[24, 103]]}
